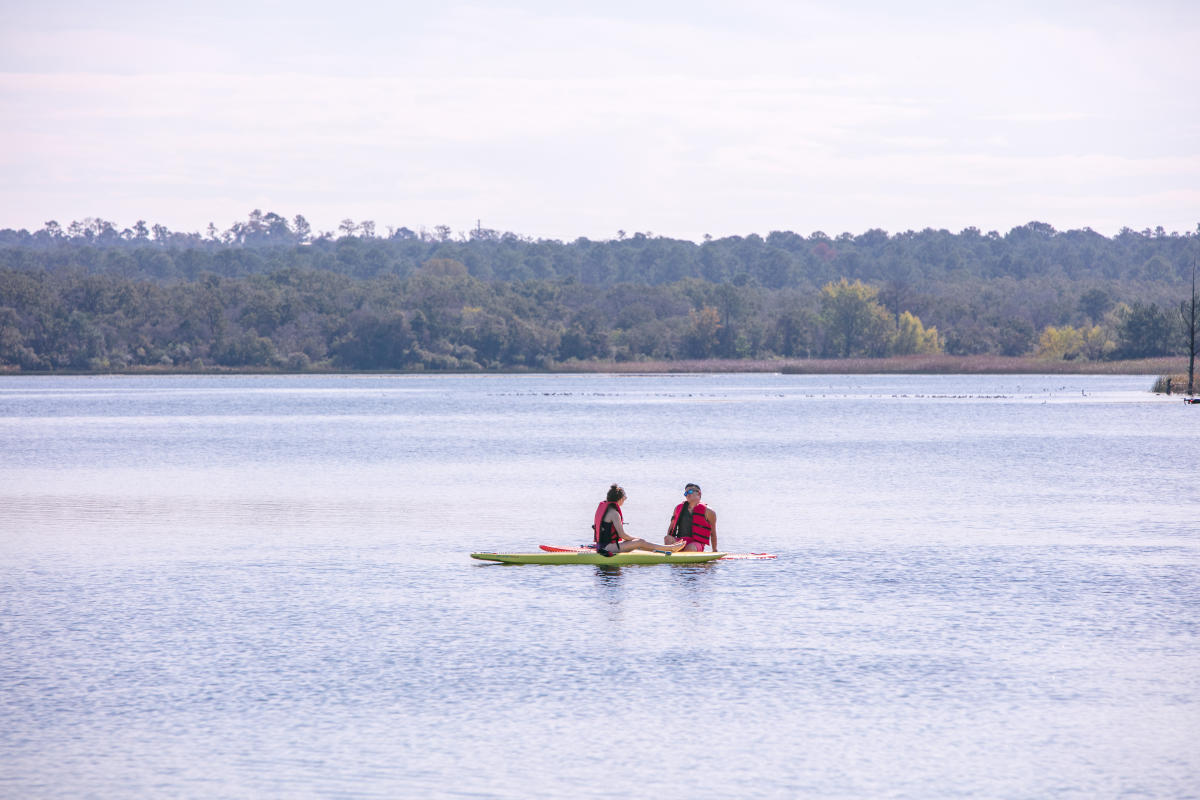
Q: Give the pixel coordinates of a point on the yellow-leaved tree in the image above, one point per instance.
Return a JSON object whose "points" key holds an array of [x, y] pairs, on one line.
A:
{"points": [[857, 324], [1059, 343], [1097, 344], [913, 338]]}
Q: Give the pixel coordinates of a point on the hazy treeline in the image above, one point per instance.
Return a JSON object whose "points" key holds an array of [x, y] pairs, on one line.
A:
{"points": [[269, 292]]}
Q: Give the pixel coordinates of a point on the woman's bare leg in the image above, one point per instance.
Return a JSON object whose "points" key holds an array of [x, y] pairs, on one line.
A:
{"points": [[642, 544]]}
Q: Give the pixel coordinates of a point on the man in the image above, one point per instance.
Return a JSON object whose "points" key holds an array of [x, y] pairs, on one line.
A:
{"points": [[693, 522]]}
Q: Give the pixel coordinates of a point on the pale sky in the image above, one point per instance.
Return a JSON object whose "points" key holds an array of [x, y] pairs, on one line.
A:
{"points": [[560, 120]]}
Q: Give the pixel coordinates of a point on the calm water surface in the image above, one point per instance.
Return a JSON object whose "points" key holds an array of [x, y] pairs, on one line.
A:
{"points": [[987, 587]]}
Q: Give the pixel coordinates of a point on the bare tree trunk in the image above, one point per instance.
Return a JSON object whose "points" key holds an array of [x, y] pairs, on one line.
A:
{"points": [[1191, 323]]}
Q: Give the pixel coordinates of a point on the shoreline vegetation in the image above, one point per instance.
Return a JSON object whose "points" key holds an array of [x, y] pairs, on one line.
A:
{"points": [[270, 296], [940, 364]]}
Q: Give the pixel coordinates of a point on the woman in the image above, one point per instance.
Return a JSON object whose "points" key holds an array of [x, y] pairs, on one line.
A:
{"points": [[609, 530], [693, 523]]}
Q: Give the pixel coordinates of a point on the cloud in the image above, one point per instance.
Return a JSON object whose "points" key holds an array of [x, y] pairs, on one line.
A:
{"points": [[566, 122]]}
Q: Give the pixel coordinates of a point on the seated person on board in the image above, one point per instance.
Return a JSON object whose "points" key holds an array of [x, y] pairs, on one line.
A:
{"points": [[609, 530], [693, 523]]}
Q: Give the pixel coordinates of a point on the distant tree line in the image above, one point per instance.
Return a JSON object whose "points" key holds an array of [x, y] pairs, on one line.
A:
{"points": [[269, 292]]}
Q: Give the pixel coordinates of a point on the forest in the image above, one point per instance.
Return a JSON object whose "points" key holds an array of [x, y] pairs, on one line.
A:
{"points": [[270, 293]]}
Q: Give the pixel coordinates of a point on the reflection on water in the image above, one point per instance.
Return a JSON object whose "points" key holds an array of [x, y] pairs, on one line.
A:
{"points": [[258, 586], [609, 578]]}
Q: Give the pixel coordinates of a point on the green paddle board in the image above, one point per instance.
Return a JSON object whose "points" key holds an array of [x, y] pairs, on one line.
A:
{"points": [[620, 559]]}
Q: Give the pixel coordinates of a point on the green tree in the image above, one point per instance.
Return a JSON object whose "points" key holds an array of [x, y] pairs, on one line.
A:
{"points": [[374, 342], [855, 323], [1094, 302], [1188, 317], [247, 350], [302, 228], [704, 331], [1144, 332], [792, 334]]}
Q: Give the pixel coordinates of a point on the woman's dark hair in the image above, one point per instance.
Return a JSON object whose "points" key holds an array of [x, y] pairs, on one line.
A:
{"points": [[615, 493]]}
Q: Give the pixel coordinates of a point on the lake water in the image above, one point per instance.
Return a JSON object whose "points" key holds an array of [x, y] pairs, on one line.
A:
{"points": [[243, 587]]}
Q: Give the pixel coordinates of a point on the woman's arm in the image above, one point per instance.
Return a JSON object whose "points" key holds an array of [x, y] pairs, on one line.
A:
{"points": [[615, 518]]}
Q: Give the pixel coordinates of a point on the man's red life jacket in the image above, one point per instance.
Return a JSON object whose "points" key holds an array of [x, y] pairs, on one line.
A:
{"points": [[701, 530]]}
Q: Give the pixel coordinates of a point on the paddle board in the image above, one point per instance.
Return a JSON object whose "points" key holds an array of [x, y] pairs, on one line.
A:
{"points": [[727, 557], [620, 559]]}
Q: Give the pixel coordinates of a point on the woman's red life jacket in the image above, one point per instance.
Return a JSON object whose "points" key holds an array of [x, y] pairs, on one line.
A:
{"points": [[603, 532], [701, 532]]}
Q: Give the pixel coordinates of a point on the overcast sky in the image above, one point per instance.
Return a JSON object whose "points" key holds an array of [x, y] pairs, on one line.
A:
{"points": [[560, 120]]}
